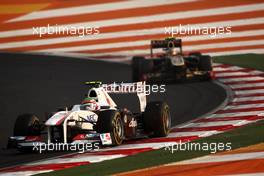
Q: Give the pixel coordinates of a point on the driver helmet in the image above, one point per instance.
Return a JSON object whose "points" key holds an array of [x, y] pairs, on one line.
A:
{"points": [[172, 51], [90, 104]]}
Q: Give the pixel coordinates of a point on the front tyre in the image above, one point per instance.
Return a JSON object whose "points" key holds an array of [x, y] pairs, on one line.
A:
{"points": [[140, 67], [205, 63], [110, 121], [27, 125]]}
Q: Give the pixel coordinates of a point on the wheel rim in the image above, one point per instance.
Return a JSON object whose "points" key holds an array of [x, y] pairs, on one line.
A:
{"points": [[118, 129], [166, 121], [35, 127]]}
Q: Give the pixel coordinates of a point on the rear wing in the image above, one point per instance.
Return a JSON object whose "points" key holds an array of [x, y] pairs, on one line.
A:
{"points": [[94, 83], [125, 88], [136, 87], [167, 43]]}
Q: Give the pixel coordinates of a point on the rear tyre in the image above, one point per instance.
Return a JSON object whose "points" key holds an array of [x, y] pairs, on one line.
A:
{"points": [[137, 71], [110, 121], [140, 66], [205, 77], [205, 63], [27, 125], [180, 73], [157, 119]]}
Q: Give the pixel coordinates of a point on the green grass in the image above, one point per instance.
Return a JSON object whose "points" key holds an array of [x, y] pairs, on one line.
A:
{"points": [[255, 61], [241, 137], [245, 136]]}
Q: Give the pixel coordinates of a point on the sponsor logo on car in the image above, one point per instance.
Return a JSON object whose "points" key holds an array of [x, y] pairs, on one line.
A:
{"points": [[106, 138], [132, 123]]}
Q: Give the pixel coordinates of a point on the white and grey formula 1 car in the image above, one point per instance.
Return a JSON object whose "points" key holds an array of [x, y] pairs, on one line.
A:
{"points": [[96, 119]]}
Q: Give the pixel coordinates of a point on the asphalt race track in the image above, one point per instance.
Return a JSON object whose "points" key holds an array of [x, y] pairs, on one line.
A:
{"points": [[39, 84]]}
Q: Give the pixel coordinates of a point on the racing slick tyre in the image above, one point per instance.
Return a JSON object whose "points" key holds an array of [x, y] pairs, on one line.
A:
{"points": [[205, 63], [140, 66], [180, 73], [157, 120], [27, 125], [109, 121], [205, 77]]}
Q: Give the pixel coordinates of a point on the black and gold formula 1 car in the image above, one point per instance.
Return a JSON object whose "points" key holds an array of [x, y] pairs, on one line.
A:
{"points": [[172, 65]]}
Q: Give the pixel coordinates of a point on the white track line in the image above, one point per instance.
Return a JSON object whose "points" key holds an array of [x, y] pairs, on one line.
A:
{"points": [[220, 123], [235, 52], [127, 55], [231, 74], [24, 173], [130, 33], [252, 85], [244, 99], [260, 105], [223, 158], [217, 64], [146, 42], [88, 9], [242, 92], [255, 78], [193, 133], [230, 68], [154, 18], [131, 53], [78, 158], [236, 114], [255, 72]]}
